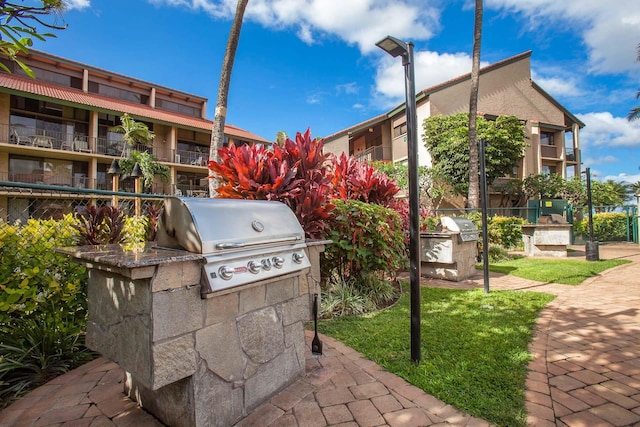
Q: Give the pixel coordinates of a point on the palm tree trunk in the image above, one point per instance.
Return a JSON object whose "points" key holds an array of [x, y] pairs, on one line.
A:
{"points": [[219, 117], [473, 196]]}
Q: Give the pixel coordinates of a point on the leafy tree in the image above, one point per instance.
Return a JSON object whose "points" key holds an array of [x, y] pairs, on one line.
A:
{"points": [[608, 193], [543, 186], [446, 138], [19, 26], [220, 114], [634, 114], [473, 193]]}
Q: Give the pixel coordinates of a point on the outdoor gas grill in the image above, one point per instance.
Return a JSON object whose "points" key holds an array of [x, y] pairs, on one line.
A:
{"points": [[242, 241], [465, 227]]}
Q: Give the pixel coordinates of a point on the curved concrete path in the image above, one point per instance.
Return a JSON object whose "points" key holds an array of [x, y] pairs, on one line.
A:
{"points": [[585, 372]]}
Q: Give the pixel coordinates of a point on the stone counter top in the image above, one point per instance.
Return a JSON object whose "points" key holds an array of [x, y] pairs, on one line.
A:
{"points": [[115, 256]]}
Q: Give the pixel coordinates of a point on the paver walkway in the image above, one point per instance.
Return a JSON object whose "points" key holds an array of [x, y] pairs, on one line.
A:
{"points": [[586, 372]]}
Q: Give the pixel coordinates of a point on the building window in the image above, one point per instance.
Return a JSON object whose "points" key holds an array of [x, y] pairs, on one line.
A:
{"points": [[175, 107], [400, 130], [548, 170], [546, 138]]}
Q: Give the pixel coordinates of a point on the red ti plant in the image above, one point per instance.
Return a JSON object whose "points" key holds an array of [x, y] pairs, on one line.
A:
{"points": [[295, 174], [355, 180]]}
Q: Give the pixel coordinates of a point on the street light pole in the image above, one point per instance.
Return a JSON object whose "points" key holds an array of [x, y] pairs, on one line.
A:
{"points": [[591, 247], [395, 47]]}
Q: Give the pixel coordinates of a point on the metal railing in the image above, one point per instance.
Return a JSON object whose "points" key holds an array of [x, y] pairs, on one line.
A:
{"points": [[83, 144], [370, 154]]}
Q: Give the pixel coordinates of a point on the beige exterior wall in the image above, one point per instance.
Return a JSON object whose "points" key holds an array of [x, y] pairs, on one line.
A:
{"points": [[337, 146]]}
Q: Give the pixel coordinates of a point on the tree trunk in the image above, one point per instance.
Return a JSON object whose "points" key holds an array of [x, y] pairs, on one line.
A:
{"points": [[473, 196], [219, 117]]}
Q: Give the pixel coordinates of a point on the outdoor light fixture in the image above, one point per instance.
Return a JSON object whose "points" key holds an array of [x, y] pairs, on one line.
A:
{"points": [[395, 47], [136, 173], [114, 171]]}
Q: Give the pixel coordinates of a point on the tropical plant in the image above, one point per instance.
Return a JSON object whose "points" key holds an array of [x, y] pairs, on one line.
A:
{"points": [[20, 25], [361, 181], [366, 238], [220, 114], [607, 226], [99, 226], [295, 174], [446, 138], [473, 193], [148, 164], [34, 350], [133, 133]]}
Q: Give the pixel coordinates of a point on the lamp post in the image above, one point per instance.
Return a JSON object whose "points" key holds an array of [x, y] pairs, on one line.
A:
{"points": [[485, 228], [395, 47], [114, 171], [591, 247], [136, 174]]}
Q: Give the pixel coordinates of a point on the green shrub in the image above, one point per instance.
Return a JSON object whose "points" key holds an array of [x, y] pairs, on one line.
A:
{"points": [[366, 238], [505, 231], [498, 254], [607, 226], [33, 274]]}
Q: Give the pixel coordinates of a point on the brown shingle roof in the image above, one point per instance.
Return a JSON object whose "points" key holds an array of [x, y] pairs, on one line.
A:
{"points": [[23, 85]]}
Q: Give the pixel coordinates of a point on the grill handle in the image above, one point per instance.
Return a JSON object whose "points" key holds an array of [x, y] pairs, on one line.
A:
{"points": [[236, 245]]}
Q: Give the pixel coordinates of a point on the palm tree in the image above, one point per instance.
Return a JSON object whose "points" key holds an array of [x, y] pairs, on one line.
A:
{"points": [[133, 133], [219, 117], [473, 195], [634, 114]]}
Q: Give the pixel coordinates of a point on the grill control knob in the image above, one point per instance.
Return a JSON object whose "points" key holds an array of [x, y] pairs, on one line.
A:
{"points": [[225, 272], [266, 264], [254, 267], [278, 261], [298, 257]]}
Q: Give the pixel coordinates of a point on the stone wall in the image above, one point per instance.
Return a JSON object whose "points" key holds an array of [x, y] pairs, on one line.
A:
{"points": [[549, 240], [194, 361]]}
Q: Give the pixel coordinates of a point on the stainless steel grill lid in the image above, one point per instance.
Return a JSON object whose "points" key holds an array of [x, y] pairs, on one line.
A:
{"points": [[242, 241], [466, 228], [209, 226]]}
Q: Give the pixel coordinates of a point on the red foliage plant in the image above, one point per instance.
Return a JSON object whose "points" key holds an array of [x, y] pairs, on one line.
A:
{"points": [[360, 181], [295, 174]]}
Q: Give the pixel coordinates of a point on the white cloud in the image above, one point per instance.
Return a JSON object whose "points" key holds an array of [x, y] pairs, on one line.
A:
{"points": [[361, 23], [623, 177], [558, 85], [431, 68], [603, 128], [595, 161], [76, 4], [610, 29]]}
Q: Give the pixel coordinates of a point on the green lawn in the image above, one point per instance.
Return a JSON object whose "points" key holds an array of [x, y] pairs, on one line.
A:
{"points": [[474, 347], [564, 271]]}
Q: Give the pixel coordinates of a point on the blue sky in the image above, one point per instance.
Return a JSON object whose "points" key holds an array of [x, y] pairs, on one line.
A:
{"points": [[314, 64]]}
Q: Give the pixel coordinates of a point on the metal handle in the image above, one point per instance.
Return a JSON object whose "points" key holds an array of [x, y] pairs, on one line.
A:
{"points": [[236, 245]]}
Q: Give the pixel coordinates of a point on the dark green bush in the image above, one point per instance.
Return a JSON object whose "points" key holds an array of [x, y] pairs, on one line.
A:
{"points": [[607, 226], [366, 238]]}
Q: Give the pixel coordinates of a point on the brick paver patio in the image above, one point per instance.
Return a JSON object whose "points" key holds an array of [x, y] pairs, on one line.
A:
{"points": [[585, 372]]}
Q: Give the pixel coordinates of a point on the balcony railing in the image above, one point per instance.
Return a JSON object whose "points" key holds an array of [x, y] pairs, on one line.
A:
{"points": [[370, 154], [83, 144]]}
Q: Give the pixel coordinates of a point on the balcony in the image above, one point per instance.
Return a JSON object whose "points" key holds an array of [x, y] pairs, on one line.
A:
{"points": [[549, 152], [370, 154]]}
